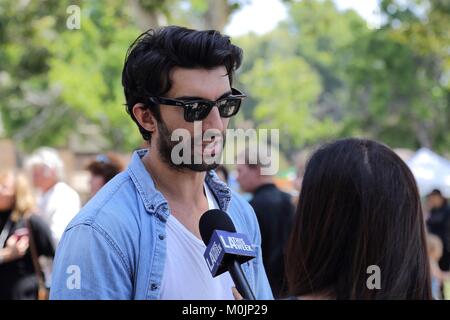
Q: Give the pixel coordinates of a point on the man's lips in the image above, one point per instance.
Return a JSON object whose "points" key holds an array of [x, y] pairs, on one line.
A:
{"points": [[212, 146]]}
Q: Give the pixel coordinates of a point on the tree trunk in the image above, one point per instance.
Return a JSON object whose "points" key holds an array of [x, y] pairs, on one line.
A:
{"points": [[217, 15], [146, 19], [423, 135]]}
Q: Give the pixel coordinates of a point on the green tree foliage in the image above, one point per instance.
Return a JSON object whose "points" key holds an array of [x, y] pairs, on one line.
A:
{"points": [[287, 90], [321, 74], [398, 77], [28, 99], [294, 76], [87, 66], [389, 83], [55, 81]]}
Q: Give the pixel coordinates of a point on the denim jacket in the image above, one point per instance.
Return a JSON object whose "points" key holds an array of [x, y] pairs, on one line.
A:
{"points": [[115, 247]]}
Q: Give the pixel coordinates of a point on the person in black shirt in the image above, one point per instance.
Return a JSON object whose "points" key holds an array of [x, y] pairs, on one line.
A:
{"points": [[18, 276], [438, 223], [274, 210]]}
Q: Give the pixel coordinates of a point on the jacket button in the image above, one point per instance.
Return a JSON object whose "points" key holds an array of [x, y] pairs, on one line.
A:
{"points": [[154, 286], [161, 237]]}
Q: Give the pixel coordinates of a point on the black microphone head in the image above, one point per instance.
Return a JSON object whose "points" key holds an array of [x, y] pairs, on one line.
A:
{"points": [[214, 219]]}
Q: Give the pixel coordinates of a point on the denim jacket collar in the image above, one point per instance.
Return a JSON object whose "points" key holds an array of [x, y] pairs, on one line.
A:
{"points": [[144, 184]]}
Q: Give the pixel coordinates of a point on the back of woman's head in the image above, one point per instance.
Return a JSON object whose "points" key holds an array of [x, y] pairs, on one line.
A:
{"points": [[358, 207]]}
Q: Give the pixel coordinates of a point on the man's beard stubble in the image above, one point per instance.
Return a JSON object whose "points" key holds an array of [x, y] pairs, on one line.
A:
{"points": [[165, 146]]}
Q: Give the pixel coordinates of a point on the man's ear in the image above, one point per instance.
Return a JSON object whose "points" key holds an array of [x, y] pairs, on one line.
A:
{"points": [[145, 117]]}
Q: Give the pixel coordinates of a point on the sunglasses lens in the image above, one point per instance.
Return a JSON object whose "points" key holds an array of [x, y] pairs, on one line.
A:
{"points": [[197, 111], [229, 107]]}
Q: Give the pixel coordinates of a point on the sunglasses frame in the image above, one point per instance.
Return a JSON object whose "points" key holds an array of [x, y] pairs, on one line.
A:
{"points": [[187, 105]]}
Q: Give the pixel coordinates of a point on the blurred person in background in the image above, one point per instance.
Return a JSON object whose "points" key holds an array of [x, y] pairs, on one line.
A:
{"points": [[300, 164], [274, 210], [58, 203], [438, 223], [438, 277], [222, 173], [103, 169], [24, 237], [359, 211]]}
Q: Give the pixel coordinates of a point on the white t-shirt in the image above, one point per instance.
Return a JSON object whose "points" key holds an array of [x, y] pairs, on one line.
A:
{"points": [[186, 275], [57, 207]]}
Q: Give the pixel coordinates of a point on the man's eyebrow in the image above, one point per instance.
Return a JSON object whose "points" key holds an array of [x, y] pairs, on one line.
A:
{"points": [[226, 94]]}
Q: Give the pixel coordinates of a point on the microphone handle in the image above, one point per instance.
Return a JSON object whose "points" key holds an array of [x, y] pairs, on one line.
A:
{"points": [[240, 281]]}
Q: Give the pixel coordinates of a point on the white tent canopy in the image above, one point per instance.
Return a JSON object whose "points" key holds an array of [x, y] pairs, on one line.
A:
{"points": [[431, 172]]}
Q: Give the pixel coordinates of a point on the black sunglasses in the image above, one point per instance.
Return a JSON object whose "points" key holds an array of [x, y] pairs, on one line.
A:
{"points": [[196, 110]]}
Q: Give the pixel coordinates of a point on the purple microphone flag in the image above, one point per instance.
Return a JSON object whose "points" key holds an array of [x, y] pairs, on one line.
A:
{"points": [[226, 245]]}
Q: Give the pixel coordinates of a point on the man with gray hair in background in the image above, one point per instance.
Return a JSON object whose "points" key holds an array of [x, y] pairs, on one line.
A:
{"points": [[58, 203]]}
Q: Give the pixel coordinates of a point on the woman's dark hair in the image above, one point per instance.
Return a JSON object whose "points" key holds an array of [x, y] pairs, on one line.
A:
{"points": [[154, 53], [106, 166], [359, 206]]}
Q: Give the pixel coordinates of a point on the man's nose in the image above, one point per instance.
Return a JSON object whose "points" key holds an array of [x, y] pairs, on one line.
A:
{"points": [[213, 120]]}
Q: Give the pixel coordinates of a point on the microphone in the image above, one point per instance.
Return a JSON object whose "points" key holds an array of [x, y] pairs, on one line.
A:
{"points": [[226, 249]]}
